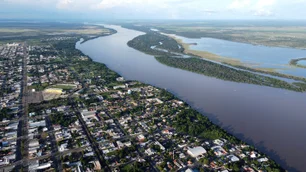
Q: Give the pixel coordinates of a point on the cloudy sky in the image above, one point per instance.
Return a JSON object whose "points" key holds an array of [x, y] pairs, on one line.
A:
{"points": [[152, 9]]}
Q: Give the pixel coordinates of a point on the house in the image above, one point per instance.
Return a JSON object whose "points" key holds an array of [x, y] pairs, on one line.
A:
{"points": [[97, 165], [219, 142], [37, 124], [218, 150], [149, 151], [196, 151], [160, 145], [33, 143], [36, 166], [191, 170], [118, 87], [120, 79], [120, 144], [63, 147], [44, 166], [233, 158], [12, 126], [263, 160], [88, 114], [253, 154], [4, 161], [141, 138]]}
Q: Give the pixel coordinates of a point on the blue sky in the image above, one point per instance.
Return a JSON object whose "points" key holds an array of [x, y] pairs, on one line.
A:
{"points": [[152, 9]]}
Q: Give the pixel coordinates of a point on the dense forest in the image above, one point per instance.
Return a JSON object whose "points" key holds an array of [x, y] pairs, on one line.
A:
{"points": [[219, 71], [269, 72], [145, 42], [195, 124]]}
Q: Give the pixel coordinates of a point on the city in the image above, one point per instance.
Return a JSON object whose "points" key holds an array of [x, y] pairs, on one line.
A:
{"points": [[60, 111]]}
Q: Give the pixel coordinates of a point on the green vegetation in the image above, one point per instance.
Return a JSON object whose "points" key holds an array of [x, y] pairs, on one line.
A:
{"points": [[270, 33], [144, 42], [37, 107], [64, 86], [219, 71], [154, 39], [294, 62], [135, 167], [269, 73], [62, 119], [301, 85], [39, 86], [33, 33], [193, 123], [5, 113]]}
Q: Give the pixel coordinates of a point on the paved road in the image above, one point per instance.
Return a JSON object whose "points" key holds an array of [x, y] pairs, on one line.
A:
{"points": [[22, 148], [93, 143]]}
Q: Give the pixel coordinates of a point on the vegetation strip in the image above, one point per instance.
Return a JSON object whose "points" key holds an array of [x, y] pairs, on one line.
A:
{"points": [[294, 62]]}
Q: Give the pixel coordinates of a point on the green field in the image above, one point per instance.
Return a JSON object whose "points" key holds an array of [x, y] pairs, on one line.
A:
{"points": [[18, 32]]}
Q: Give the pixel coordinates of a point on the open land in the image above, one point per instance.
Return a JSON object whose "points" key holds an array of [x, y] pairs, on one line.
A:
{"points": [[14, 32], [269, 34]]}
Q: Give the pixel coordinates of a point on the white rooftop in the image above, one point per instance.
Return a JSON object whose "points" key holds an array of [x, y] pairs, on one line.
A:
{"points": [[196, 151]]}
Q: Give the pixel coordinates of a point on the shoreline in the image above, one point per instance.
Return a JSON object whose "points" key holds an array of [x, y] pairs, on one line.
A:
{"points": [[205, 54], [112, 31], [232, 61]]}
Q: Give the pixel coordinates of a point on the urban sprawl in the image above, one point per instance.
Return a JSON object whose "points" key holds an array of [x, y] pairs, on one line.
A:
{"points": [[60, 111]]}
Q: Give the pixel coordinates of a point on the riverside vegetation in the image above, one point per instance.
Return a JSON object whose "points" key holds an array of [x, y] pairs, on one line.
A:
{"points": [[145, 42], [294, 62]]}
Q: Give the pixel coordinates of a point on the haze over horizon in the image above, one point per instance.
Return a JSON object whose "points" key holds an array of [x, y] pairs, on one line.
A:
{"points": [[152, 9]]}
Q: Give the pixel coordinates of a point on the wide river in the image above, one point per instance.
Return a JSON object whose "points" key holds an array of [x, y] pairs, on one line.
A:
{"points": [[272, 119]]}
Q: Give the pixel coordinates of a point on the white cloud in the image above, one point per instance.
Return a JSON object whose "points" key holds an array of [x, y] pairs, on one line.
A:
{"points": [[265, 3], [184, 9], [263, 13], [61, 4], [106, 4], [254, 7], [239, 4], [264, 7]]}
